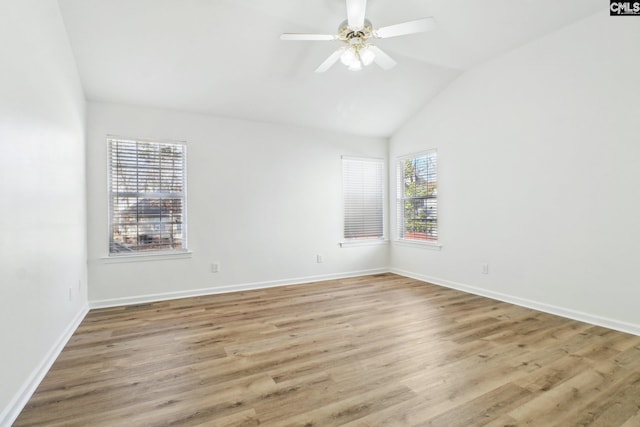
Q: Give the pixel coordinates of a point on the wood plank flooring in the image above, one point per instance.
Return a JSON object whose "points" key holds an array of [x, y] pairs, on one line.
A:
{"points": [[379, 350]]}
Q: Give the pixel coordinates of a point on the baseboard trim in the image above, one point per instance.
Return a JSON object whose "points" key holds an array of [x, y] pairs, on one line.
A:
{"points": [[144, 299], [21, 398], [617, 325]]}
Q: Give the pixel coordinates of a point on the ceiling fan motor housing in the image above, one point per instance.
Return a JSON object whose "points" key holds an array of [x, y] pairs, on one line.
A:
{"points": [[347, 34]]}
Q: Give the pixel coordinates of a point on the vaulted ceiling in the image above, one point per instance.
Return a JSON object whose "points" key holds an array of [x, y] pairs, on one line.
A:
{"points": [[224, 57]]}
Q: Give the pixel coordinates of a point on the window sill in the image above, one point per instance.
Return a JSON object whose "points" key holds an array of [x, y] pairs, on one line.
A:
{"points": [[158, 256], [434, 246], [363, 242]]}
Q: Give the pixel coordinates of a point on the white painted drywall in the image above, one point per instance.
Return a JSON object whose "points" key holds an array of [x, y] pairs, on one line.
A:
{"points": [[539, 166], [263, 200], [42, 188]]}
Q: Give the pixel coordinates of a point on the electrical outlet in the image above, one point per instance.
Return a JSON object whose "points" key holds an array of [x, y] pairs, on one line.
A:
{"points": [[215, 267], [485, 268], [319, 259]]}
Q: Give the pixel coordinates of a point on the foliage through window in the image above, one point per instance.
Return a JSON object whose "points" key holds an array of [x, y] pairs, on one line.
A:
{"points": [[146, 196], [363, 192], [418, 197]]}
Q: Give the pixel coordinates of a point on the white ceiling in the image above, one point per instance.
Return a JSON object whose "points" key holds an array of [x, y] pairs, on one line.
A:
{"points": [[224, 57]]}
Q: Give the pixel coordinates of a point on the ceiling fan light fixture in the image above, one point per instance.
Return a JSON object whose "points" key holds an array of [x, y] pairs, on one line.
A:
{"points": [[356, 66], [366, 55], [349, 57], [357, 56]]}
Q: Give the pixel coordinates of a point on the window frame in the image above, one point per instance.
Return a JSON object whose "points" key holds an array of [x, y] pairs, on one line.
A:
{"points": [[146, 254], [400, 229], [360, 241]]}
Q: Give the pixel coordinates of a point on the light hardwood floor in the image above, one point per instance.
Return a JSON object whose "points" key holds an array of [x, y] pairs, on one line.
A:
{"points": [[379, 350]]}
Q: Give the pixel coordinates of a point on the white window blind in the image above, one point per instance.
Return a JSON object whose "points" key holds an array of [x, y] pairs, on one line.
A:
{"points": [[146, 196], [363, 192], [417, 193]]}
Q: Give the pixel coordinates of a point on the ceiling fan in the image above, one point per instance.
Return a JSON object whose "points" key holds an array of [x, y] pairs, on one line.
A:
{"points": [[355, 32]]}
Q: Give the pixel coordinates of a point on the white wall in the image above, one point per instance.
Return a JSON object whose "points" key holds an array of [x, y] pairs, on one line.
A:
{"points": [[539, 162], [263, 200], [42, 188]]}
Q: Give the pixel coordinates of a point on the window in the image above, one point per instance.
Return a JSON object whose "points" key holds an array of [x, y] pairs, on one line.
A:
{"points": [[363, 192], [146, 197], [417, 194]]}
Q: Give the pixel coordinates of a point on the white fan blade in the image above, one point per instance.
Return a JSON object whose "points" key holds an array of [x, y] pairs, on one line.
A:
{"points": [[330, 61], [382, 59], [294, 36], [411, 27], [355, 13]]}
